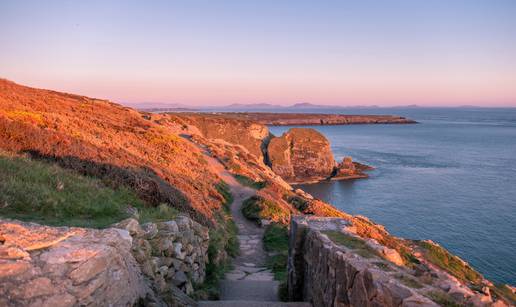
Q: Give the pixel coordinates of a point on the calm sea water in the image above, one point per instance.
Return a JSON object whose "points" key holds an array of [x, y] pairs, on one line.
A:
{"points": [[451, 179]]}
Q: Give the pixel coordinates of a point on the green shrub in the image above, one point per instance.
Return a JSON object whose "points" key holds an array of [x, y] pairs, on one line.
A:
{"points": [[47, 194], [275, 242], [275, 238], [248, 182], [448, 262], [223, 240], [256, 208], [224, 190], [298, 202]]}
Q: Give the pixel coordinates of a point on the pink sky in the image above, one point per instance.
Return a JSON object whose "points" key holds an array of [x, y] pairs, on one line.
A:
{"points": [[384, 53]]}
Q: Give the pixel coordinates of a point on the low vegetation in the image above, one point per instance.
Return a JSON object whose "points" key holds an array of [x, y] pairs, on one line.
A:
{"points": [[161, 213], [45, 193], [244, 180], [408, 281], [299, 203], [257, 208], [502, 291], [448, 262], [223, 243], [384, 266], [359, 246], [443, 299], [275, 242]]}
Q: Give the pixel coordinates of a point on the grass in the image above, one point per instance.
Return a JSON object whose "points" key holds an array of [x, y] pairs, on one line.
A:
{"points": [[408, 281], [442, 299], [47, 194], [248, 182], [298, 202], [359, 246], [223, 239], [257, 208], [275, 242], [504, 292], [223, 189], [450, 263], [157, 214]]}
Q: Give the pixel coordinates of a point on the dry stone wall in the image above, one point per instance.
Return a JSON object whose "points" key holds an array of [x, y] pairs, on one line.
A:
{"points": [[325, 274], [172, 254], [154, 264]]}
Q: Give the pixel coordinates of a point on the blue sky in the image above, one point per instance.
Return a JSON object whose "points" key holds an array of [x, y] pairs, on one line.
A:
{"points": [[217, 52]]}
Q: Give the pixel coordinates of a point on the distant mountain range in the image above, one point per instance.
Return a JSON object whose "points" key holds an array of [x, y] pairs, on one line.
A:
{"points": [[178, 107], [237, 106]]}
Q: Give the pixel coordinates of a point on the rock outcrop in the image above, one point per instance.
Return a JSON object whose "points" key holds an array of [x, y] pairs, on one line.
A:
{"points": [[249, 134], [304, 155], [348, 169], [301, 155], [49, 266]]}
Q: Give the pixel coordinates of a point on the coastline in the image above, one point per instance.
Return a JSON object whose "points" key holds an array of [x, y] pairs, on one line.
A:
{"points": [[308, 119]]}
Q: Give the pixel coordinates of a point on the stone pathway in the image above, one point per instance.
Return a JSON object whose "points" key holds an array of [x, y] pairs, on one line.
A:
{"points": [[250, 283]]}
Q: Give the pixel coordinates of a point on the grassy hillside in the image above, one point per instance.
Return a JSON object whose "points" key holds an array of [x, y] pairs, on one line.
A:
{"points": [[45, 193], [104, 140]]}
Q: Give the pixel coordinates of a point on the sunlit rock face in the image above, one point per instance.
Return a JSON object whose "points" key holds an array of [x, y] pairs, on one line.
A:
{"points": [[301, 155], [62, 266]]}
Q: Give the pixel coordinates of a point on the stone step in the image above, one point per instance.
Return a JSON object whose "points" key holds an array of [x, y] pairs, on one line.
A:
{"points": [[249, 290], [241, 272], [252, 304]]}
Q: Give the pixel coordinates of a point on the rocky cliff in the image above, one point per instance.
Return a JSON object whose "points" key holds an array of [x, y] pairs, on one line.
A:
{"points": [[251, 135]]}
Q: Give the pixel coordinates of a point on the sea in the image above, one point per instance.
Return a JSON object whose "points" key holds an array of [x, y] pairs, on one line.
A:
{"points": [[451, 178]]}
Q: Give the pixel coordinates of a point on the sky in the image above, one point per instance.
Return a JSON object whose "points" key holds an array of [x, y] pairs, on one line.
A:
{"points": [[386, 53]]}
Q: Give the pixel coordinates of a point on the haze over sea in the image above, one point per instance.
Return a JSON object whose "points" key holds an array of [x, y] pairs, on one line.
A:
{"points": [[450, 179]]}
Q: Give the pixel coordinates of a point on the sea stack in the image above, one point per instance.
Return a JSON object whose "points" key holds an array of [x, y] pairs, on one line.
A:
{"points": [[301, 155]]}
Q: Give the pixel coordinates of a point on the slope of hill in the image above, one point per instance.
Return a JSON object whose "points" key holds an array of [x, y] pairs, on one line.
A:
{"points": [[103, 139]]}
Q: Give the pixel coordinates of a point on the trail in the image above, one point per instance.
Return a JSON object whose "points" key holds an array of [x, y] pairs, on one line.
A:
{"points": [[250, 283]]}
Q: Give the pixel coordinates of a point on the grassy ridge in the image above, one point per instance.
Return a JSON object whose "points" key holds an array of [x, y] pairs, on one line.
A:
{"points": [[45, 193]]}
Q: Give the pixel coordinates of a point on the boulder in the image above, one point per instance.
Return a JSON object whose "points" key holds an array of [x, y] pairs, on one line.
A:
{"points": [[301, 155], [348, 169]]}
